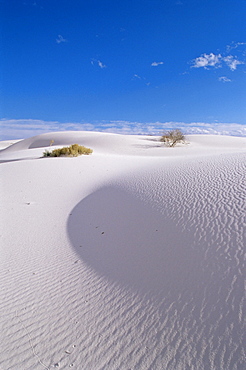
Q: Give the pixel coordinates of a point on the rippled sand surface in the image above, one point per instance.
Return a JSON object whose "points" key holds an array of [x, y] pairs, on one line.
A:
{"points": [[131, 258]]}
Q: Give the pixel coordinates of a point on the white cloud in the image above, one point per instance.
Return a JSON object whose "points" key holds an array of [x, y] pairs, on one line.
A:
{"points": [[98, 62], [19, 129], [155, 64], [207, 60], [101, 65], [60, 39], [232, 62], [224, 79]]}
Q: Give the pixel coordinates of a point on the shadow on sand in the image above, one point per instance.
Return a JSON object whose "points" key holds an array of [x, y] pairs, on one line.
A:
{"points": [[127, 241]]}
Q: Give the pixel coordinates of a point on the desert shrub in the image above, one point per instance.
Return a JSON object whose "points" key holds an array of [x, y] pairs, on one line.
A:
{"points": [[46, 153], [171, 138], [69, 151]]}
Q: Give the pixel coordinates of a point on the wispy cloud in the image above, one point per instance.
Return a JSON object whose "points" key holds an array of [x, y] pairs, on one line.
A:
{"points": [[98, 63], [32, 4], [234, 45], [101, 65], [155, 64], [224, 79], [19, 129], [60, 39], [143, 79]]}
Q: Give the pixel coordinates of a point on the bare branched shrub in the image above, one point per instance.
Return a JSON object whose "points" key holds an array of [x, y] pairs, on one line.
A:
{"points": [[71, 151], [171, 138]]}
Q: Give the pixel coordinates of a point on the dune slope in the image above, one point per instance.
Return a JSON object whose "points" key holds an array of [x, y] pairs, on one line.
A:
{"points": [[131, 258]]}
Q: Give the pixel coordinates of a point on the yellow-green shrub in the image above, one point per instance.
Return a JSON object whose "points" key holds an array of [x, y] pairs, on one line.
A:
{"points": [[69, 151]]}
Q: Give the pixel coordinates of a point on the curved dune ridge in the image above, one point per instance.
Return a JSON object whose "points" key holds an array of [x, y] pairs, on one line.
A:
{"points": [[131, 258]]}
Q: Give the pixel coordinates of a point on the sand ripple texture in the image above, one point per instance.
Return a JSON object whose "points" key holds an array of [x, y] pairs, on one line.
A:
{"points": [[149, 276]]}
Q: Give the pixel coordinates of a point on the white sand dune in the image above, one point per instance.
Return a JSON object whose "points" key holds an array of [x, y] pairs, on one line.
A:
{"points": [[130, 258]]}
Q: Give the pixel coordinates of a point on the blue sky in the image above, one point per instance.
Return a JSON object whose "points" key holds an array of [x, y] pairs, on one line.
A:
{"points": [[127, 65]]}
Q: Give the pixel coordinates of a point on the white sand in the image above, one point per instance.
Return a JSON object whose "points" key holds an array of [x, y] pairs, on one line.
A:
{"points": [[130, 258]]}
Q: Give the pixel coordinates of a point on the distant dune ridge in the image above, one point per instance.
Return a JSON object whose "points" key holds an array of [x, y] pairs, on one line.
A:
{"points": [[129, 258]]}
